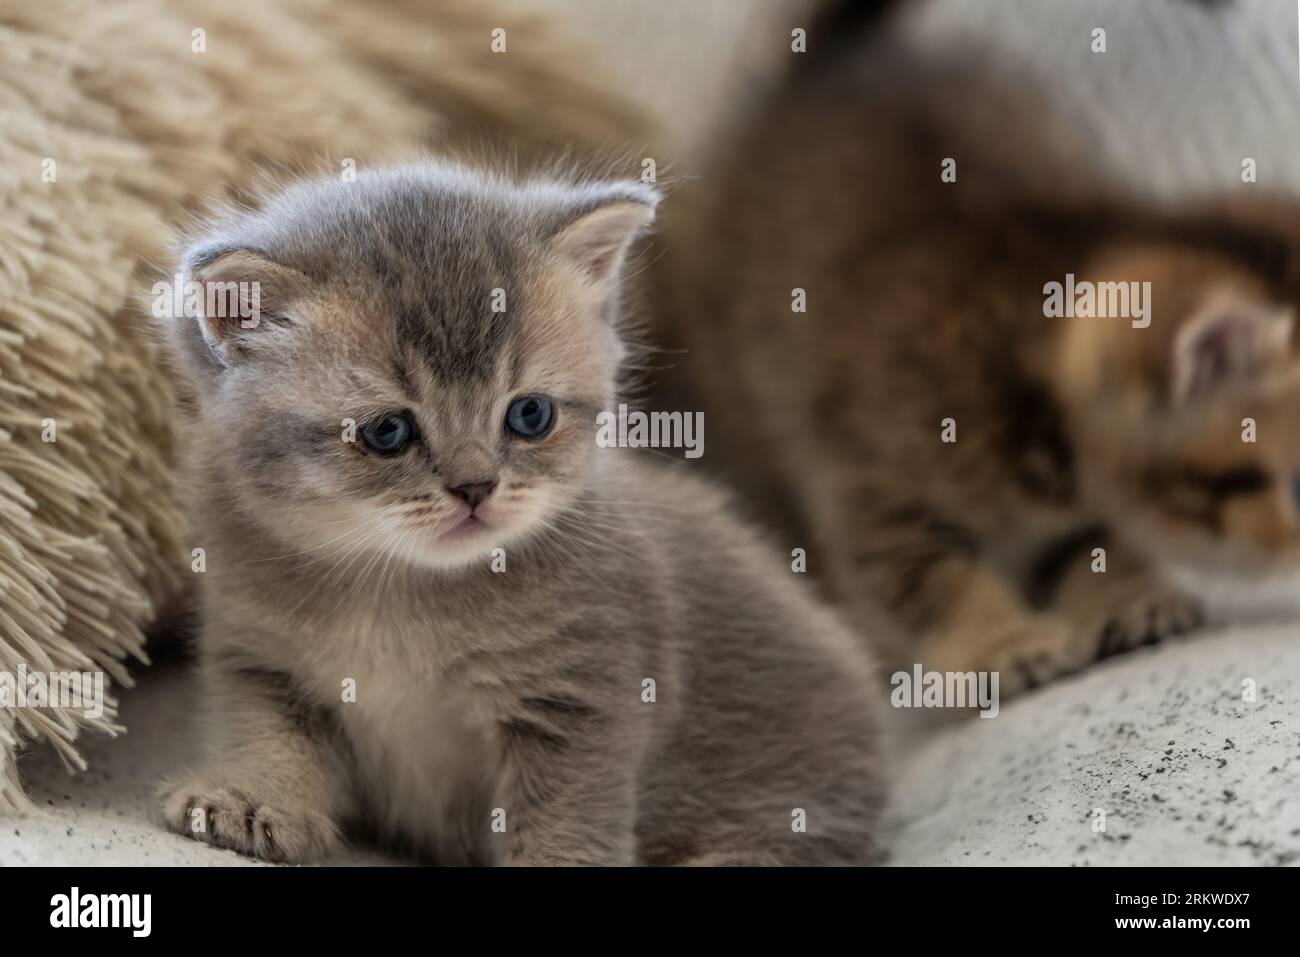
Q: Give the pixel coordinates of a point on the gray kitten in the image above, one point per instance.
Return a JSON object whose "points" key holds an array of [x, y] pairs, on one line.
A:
{"points": [[434, 607]]}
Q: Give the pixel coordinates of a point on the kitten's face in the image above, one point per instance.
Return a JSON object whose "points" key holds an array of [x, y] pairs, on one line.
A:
{"points": [[1189, 430], [432, 395], [359, 439]]}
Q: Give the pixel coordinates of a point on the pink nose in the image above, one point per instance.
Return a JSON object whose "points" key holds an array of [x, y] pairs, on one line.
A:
{"points": [[473, 493]]}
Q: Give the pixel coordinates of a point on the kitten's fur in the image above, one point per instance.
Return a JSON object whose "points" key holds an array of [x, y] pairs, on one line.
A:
{"points": [[925, 302], [478, 690]]}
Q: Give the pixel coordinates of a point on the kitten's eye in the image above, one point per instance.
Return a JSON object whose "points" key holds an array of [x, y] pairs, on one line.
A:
{"points": [[530, 416], [388, 434], [1244, 480]]}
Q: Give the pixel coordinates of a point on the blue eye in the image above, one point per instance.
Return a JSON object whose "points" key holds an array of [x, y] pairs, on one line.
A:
{"points": [[530, 416], [388, 434]]}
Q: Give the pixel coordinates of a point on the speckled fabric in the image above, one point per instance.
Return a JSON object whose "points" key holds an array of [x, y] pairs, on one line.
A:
{"points": [[109, 815], [1186, 771], [1161, 740]]}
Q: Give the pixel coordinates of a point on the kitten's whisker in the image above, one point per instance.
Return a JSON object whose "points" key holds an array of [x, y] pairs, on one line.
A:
{"points": [[341, 548], [355, 547], [341, 571], [662, 506], [667, 457], [379, 553], [415, 506], [597, 543], [316, 548], [627, 277], [556, 540], [407, 516], [397, 564], [645, 368]]}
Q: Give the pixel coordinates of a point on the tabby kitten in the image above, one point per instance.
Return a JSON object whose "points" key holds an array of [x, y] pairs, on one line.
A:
{"points": [[466, 628], [954, 453]]}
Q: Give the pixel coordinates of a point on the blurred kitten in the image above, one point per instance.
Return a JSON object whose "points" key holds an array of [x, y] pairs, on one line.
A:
{"points": [[926, 303], [561, 654]]}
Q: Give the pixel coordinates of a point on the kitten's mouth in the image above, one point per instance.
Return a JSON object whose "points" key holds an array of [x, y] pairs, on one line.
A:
{"points": [[468, 527]]}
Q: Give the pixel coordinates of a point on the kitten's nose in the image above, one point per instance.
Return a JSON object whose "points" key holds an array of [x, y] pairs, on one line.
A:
{"points": [[473, 492]]}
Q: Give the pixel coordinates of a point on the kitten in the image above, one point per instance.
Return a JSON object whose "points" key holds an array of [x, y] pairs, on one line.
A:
{"points": [[925, 306], [470, 631]]}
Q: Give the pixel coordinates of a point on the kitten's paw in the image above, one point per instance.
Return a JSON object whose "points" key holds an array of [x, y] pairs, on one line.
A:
{"points": [[1147, 619], [1035, 655], [1024, 650], [232, 817]]}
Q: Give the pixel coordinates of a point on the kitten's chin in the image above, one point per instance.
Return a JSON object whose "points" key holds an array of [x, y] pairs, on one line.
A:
{"points": [[466, 543]]}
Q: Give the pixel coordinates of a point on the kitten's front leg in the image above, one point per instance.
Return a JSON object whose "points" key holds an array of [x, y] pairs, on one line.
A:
{"points": [[968, 615], [984, 624], [988, 626], [274, 784], [1123, 607], [569, 791], [960, 612]]}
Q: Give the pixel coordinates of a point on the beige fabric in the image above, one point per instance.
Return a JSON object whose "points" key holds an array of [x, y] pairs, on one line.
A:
{"points": [[696, 66], [140, 127], [1185, 91]]}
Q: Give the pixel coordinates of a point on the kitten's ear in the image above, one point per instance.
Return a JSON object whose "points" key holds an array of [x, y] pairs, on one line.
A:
{"points": [[1229, 341], [597, 239], [237, 295]]}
